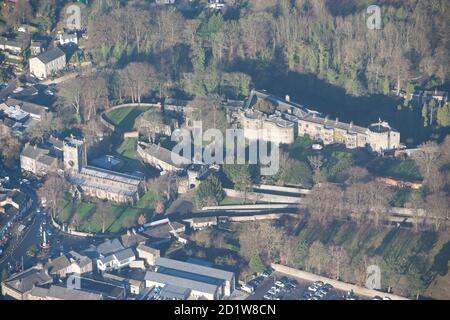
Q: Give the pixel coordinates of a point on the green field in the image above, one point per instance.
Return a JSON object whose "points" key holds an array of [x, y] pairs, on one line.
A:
{"points": [[128, 148], [125, 117]]}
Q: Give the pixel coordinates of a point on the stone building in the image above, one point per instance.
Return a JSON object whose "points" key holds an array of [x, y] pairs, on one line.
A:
{"points": [[289, 120], [48, 63], [96, 182], [38, 161], [160, 157]]}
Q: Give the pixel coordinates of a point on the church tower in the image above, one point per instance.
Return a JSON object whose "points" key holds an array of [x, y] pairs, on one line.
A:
{"points": [[74, 154]]}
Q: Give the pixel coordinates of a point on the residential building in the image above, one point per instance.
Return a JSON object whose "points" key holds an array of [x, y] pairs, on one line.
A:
{"points": [[79, 263], [117, 260], [15, 199], [132, 239], [38, 161], [20, 285], [37, 47], [61, 293], [58, 267], [148, 253], [68, 38], [15, 45], [48, 63], [34, 110]]}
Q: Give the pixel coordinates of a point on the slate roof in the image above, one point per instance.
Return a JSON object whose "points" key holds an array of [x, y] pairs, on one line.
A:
{"points": [[57, 264], [194, 268], [62, 293], [125, 254], [33, 152], [181, 282], [24, 281], [50, 55], [109, 246]]}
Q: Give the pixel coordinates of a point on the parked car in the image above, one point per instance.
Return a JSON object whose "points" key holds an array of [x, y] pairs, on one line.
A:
{"points": [[313, 288], [307, 295], [327, 286], [321, 293], [266, 273], [318, 283], [248, 288], [279, 284], [267, 297]]}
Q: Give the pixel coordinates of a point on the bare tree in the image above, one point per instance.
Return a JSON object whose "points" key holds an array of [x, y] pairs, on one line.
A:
{"points": [[10, 145], [318, 257], [339, 261], [316, 163], [53, 191], [378, 196], [138, 78], [325, 202], [428, 159], [438, 207], [103, 216]]}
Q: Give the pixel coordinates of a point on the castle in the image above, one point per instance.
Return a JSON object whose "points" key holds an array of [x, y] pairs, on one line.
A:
{"points": [[286, 120]]}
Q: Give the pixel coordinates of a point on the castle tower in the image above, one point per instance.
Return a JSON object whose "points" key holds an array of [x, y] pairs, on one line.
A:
{"points": [[74, 154]]}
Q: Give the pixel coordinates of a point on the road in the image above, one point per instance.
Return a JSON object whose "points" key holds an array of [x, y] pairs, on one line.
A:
{"points": [[59, 242]]}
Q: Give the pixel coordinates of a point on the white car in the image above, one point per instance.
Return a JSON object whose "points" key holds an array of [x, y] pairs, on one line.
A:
{"points": [[279, 284], [267, 297], [312, 288], [273, 291]]}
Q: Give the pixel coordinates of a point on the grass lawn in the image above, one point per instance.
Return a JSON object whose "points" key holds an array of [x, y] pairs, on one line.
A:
{"points": [[124, 117], [126, 218], [128, 148], [149, 200], [231, 201], [66, 213]]}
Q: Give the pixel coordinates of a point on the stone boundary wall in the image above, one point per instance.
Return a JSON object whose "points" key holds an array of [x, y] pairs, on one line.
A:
{"points": [[269, 216], [111, 126], [250, 207], [70, 232], [256, 196], [282, 189], [335, 283]]}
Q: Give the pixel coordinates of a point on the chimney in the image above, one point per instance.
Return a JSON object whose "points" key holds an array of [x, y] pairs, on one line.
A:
{"points": [[326, 118], [337, 120], [351, 125], [128, 233], [133, 230], [287, 98]]}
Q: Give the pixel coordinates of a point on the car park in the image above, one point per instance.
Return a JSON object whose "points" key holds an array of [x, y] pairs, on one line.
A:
{"points": [[279, 284], [267, 297]]}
